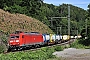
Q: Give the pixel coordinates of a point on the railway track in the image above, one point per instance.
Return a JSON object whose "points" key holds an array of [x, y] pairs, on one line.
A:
{"points": [[33, 49]]}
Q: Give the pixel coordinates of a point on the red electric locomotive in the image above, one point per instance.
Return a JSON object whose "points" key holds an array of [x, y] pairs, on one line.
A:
{"points": [[21, 40]]}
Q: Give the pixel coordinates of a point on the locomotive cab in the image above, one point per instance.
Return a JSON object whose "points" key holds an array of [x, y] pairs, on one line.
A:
{"points": [[14, 40]]}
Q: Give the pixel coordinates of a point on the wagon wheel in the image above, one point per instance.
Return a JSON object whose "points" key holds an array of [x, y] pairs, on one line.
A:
{"points": [[37, 45]]}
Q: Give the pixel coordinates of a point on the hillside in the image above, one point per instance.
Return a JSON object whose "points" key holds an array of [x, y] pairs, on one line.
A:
{"points": [[43, 12], [12, 22]]}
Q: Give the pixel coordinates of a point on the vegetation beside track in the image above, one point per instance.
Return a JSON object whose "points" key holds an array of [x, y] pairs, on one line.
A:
{"points": [[43, 54], [79, 45], [3, 42]]}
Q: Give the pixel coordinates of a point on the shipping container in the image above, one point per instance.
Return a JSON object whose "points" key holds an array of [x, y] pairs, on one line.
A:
{"points": [[52, 38], [46, 38], [66, 37]]}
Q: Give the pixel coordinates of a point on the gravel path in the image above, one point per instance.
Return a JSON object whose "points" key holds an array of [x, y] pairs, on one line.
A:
{"points": [[73, 54]]}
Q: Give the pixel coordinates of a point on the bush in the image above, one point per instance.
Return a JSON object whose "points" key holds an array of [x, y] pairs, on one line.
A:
{"points": [[59, 48], [2, 49], [76, 44], [4, 39], [43, 54], [3, 43]]}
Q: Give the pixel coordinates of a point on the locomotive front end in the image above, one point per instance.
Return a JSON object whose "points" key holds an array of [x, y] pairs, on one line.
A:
{"points": [[14, 40]]}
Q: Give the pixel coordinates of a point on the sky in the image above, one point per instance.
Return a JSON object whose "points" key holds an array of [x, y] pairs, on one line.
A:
{"points": [[79, 3]]}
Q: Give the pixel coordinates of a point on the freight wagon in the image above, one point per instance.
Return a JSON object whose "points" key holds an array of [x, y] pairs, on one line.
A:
{"points": [[51, 38], [65, 38], [21, 40]]}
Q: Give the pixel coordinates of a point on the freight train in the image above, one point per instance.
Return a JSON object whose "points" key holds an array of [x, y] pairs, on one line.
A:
{"points": [[20, 40]]}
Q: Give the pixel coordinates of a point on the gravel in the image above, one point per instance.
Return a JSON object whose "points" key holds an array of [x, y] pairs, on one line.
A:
{"points": [[73, 54]]}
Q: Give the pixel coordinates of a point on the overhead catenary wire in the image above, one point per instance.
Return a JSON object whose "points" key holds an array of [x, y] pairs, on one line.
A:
{"points": [[62, 17]]}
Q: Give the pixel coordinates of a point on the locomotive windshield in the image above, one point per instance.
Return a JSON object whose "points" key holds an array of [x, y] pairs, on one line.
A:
{"points": [[13, 37]]}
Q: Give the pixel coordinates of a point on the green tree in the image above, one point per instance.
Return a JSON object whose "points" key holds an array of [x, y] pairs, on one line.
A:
{"points": [[43, 11], [85, 33]]}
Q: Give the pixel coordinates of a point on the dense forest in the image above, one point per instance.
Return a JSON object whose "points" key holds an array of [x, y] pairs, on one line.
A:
{"points": [[43, 12]]}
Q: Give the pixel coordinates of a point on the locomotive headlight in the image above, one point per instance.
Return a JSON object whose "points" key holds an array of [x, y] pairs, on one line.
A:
{"points": [[17, 40], [11, 41]]}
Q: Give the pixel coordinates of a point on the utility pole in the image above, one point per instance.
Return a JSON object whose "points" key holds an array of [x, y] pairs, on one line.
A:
{"points": [[63, 17], [68, 20], [86, 27], [51, 23], [53, 20], [59, 29]]}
